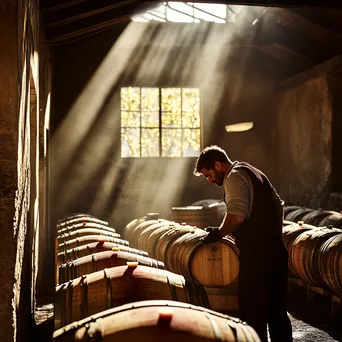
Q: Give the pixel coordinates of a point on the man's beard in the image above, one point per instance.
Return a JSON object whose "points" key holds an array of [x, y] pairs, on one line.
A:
{"points": [[219, 178]]}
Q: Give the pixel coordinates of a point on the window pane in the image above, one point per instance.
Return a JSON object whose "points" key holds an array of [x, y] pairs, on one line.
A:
{"points": [[191, 142], [150, 119], [150, 107], [171, 142], [217, 10], [150, 99], [130, 119], [150, 142], [130, 98], [179, 12], [171, 107], [130, 142], [191, 108]]}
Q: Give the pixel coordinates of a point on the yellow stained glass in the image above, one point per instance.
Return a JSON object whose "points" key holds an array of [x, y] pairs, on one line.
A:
{"points": [[150, 142], [130, 119], [171, 142], [171, 107], [130, 145], [191, 142], [130, 99]]}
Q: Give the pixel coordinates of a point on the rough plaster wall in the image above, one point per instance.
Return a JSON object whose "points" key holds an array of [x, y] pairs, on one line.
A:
{"points": [[304, 141], [8, 164], [249, 96], [95, 179]]}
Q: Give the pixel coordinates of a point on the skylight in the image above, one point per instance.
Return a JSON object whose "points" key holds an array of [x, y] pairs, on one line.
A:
{"points": [[190, 12]]}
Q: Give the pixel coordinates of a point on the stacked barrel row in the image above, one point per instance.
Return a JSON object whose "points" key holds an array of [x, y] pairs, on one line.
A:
{"points": [[108, 290], [315, 254], [178, 246], [319, 217]]}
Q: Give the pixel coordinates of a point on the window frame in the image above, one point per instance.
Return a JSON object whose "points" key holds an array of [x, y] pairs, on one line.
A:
{"points": [[160, 127]]}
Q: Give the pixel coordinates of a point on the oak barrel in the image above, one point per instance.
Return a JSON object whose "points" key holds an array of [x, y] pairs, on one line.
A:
{"points": [[98, 261], [297, 214], [130, 227], [148, 238], [200, 216], [95, 247], [306, 251], [213, 264], [330, 264], [78, 218], [289, 208], [89, 238], [156, 321], [316, 217], [83, 232], [120, 285], [290, 233], [334, 219], [81, 225], [181, 250]]}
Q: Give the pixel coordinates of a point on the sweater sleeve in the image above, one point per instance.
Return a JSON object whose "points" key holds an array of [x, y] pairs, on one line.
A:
{"points": [[238, 193]]}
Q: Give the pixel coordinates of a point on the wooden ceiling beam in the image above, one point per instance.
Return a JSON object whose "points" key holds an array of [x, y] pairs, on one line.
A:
{"points": [[83, 32], [66, 17], [296, 54], [323, 18], [289, 19], [50, 6]]}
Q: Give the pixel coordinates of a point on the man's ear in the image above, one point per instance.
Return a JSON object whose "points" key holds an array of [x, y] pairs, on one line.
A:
{"points": [[218, 166]]}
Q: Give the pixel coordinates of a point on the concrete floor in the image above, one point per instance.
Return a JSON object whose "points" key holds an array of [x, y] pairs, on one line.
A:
{"points": [[313, 322]]}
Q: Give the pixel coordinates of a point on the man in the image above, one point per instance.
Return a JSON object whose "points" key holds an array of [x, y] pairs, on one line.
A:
{"points": [[254, 216]]}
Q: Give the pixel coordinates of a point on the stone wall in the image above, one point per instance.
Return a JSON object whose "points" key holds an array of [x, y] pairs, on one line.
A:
{"points": [[304, 142], [22, 109]]}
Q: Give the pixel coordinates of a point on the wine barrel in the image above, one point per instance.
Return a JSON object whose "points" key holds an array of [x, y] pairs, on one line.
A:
{"points": [[81, 225], [287, 223], [135, 233], [330, 264], [297, 214], [200, 216], [213, 264], [223, 299], [155, 321], [148, 238], [130, 227], [83, 232], [334, 219], [95, 247], [79, 218], [120, 285], [168, 237], [98, 261], [290, 233], [179, 247], [289, 208], [305, 253], [89, 238], [316, 216]]}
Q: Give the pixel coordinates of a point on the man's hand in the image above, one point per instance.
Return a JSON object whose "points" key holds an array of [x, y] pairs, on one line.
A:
{"points": [[214, 235]]}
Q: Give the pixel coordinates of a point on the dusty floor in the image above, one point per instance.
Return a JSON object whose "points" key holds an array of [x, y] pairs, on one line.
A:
{"points": [[313, 322], [304, 332]]}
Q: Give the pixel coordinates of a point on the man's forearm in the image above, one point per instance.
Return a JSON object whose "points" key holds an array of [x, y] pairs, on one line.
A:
{"points": [[230, 223]]}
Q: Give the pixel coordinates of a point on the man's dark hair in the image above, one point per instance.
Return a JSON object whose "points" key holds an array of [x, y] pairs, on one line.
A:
{"points": [[208, 157]]}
